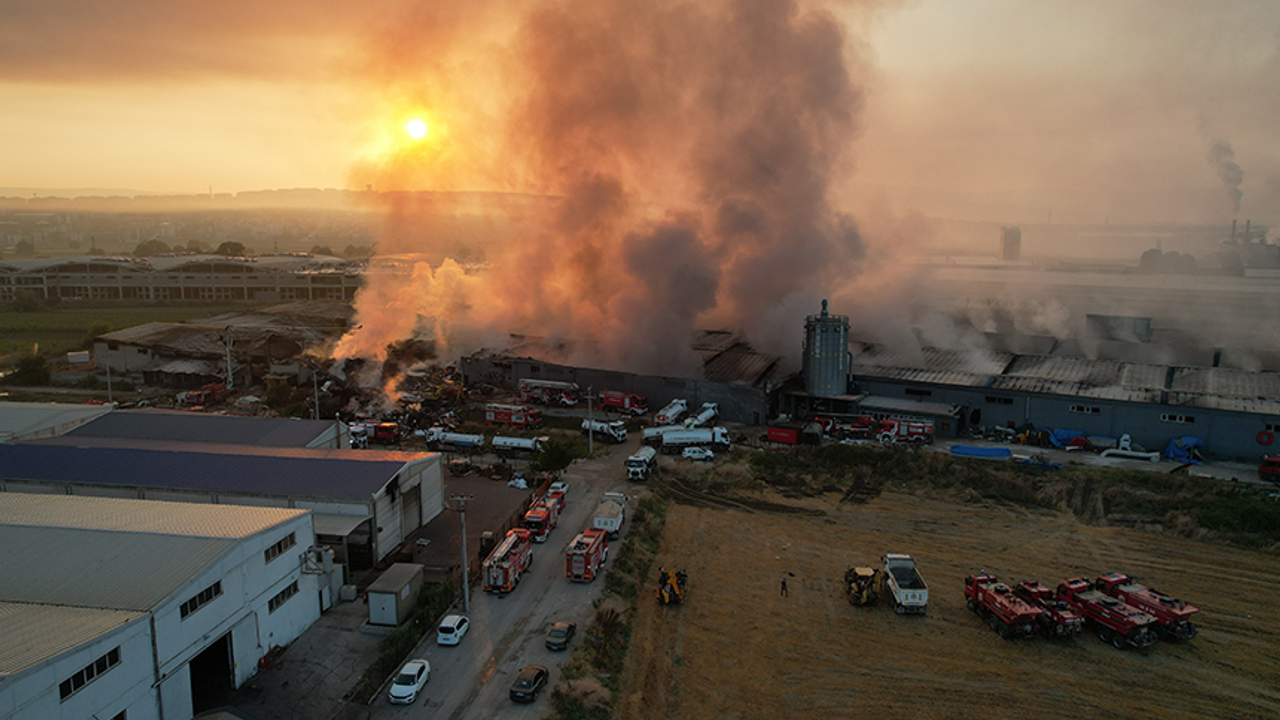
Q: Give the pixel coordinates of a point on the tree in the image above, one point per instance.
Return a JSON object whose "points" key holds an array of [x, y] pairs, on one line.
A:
{"points": [[31, 371], [556, 455], [197, 246], [321, 250], [151, 247], [26, 301], [101, 327], [230, 248]]}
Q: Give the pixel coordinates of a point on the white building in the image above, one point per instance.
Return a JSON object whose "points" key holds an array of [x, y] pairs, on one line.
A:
{"points": [[136, 609]]}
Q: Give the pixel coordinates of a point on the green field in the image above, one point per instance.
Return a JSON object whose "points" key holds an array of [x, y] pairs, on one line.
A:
{"points": [[54, 331]]}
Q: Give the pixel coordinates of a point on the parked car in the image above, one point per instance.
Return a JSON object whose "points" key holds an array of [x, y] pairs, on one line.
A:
{"points": [[699, 453], [405, 688], [560, 486], [451, 629], [560, 634], [528, 683]]}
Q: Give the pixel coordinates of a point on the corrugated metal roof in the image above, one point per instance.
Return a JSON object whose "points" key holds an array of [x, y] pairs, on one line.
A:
{"points": [[201, 427], [340, 525], [917, 375], [30, 634], [18, 419], [100, 568], [1257, 406], [293, 472], [75, 512], [963, 362], [913, 407], [1226, 382]]}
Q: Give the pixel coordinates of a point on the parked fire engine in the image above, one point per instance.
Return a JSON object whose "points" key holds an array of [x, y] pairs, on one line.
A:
{"points": [[1172, 615], [1118, 623], [1058, 619], [1006, 612], [585, 555], [547, 392], [541, 519], [508, 561], [517, 415], [918, 432], [626, 402]]}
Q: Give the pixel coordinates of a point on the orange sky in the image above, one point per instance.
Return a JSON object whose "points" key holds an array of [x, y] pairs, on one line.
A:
{"points": [[1001, 109]]}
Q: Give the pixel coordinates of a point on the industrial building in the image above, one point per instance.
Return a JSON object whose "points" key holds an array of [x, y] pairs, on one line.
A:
{"points": [[183, 277], [134, 610], [24, 420], [366, 502]]}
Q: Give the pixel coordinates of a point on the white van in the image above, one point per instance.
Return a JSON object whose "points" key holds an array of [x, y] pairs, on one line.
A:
{"points": [[451, 630]]}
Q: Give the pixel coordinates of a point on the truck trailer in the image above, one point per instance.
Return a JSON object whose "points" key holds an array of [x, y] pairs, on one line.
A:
{"points": [[1116, 621], [615, 431], [440, 439], [611, 513], [507, 446], [708, 412], [903, 584], [677, 440], [652, 436], [672, 413]]}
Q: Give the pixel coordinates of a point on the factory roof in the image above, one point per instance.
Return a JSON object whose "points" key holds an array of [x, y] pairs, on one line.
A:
{"points": [[178, 426], [279, 472], [1206, 387], [31, 633], [114, 553], [726, 358], [178, 262], [20, 420]]}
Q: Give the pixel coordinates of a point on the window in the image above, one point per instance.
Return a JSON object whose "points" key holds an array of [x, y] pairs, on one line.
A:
{"points": [[285, 543], [916, 392], [1086, 409], [89, 673], [1273, 427], [201, 599], [1171, 418], [274, 603], [997, 400]]}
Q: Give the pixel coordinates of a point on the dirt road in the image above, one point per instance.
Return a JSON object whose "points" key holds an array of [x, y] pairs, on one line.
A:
{"points": [[737, 649]]}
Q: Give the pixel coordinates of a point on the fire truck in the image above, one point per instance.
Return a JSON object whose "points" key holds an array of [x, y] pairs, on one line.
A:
{"points": [[518, 415], [1118, 623], [585, 555], [918, 432], [541, 519], [508, 561], [1006, 612], [1172, 615], [548, 392], [1058, 619], [626, 402]]}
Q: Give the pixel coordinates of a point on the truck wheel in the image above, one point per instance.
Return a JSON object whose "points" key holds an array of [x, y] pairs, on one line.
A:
{"points": [[1005, 631], [972, 605], [1104, 634], [1118, 641]]}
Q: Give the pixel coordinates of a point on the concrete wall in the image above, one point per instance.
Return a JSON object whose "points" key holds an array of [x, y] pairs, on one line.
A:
{"points": [[738, 403]]}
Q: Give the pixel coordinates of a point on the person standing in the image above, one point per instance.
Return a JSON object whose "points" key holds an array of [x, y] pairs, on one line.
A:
{"points": [[784, 587]]}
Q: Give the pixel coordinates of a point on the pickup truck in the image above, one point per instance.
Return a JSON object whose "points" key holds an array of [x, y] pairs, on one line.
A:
{"points": [[611, 513], [902, 583]]}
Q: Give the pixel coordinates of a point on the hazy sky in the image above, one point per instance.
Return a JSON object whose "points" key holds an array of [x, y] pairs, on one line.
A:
{"points": [[1003, 109]]}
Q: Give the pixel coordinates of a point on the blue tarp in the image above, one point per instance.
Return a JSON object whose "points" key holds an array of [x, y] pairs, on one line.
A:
{"points": [[1180, 449], [981, 452], [1060, 437]]}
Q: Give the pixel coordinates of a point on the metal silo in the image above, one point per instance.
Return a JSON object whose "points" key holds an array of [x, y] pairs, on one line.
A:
{"points": [[826, 354]]}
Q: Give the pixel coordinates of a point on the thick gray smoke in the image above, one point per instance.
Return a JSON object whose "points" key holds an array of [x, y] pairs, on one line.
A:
{"points": [[1223, 160], [694, 146]]}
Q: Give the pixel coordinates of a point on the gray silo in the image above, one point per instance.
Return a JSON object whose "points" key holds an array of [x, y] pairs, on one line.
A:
{"points": [[826, 354]]}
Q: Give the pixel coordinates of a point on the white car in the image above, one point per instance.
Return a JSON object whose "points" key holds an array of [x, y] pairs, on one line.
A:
{"points": [[698, 453], [560, 485], [451, 629], [407, 685]]}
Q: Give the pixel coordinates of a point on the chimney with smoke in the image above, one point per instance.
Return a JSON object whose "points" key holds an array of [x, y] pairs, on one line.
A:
{"points": [[1222, 158]]}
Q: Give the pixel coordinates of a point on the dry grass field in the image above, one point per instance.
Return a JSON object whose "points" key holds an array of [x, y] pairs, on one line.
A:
{"points": [[736, 649]]}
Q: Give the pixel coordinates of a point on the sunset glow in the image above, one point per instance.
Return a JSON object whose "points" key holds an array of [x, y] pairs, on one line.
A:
{"points": [[416, 128]]}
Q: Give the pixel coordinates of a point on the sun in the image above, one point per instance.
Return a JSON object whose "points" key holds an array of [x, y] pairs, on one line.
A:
{"points": [[416, 128]]}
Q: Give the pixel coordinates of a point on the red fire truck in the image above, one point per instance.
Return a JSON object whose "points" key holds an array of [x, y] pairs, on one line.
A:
{"points": [[1118, 623], [919, 432], [517, 415], [508, 561], [585, 555], [1006, 612], [548, 392], [626, 402], [541, 518], [1058, 619], [1172, 615]]}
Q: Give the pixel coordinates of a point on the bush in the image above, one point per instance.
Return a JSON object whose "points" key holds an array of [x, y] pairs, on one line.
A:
{"points": [[31, 371]]}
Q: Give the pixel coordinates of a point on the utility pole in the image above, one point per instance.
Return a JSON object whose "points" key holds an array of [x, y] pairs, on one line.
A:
{"points": [[315, 390], [109, 382], [229, 375], [466, 579], [591, 428]]}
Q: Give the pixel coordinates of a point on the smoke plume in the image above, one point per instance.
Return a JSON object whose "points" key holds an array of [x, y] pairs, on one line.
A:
{"points": [[679, 161], [1223, 160]]}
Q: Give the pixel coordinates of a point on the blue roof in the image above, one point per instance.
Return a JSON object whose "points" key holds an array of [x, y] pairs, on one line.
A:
{"points": [[200, 427], [348, 474]]}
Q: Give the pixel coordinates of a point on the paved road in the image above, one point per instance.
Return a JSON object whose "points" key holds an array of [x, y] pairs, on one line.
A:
{"points": [[470, 681]]}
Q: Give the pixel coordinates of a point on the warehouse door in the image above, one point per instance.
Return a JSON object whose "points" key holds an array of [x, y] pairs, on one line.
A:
{"points": [[410, 508], [211, 676]]}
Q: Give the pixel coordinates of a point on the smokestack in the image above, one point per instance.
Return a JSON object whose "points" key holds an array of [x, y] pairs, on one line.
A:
{"points": [[1233, 229]]}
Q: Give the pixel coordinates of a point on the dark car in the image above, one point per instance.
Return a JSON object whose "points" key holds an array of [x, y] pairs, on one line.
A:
{"points": [[528, 683], [560, 634]]}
